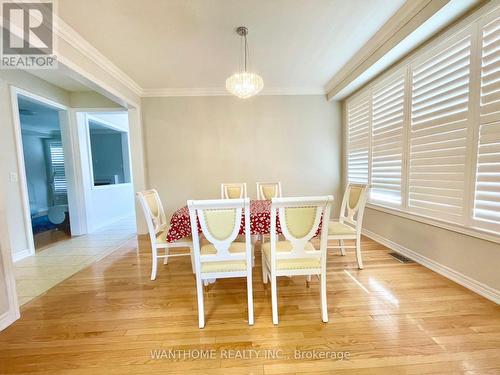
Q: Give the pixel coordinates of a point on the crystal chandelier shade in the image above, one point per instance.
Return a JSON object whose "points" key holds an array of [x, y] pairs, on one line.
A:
{"points": [[244, 84]]}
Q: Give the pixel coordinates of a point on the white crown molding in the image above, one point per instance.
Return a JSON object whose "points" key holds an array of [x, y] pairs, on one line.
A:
{"points": [[72, 37], [410, 16], [220, 91], [476, 286]]}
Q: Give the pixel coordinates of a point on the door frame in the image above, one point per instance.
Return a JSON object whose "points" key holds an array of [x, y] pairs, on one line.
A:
{"points": [[81, 117], [13, 312], [23, 184]]}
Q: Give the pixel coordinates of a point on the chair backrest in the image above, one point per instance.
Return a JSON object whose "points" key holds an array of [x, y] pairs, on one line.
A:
{"points": [[353, 205], [233, 190], [153, 211], [220, 221], [300, 218], [268, 190]]}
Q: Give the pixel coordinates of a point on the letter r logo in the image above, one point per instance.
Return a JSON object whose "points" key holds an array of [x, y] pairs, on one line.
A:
{"points": [[27, 28]]}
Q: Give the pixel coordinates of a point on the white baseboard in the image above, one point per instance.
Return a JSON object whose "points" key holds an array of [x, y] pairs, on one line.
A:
{"points": [[482, 289], [108, 223], [21, 255], [6, 319]]}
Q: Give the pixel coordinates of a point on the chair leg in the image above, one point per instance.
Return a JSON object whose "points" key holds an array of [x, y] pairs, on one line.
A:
{"points": [[192, 258], [308, 281], [264, 270], [154, 262], [358, 253], [167, 251], [324, 306], [201, 309], [342, 249], [250, 298], [274, 299]]}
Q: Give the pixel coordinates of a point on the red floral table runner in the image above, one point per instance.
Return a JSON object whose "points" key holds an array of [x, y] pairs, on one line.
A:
{"points": [[260, 221]]}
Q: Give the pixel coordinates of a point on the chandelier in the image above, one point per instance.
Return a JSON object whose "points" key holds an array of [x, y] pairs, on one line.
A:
{"points": [[244, 84]]}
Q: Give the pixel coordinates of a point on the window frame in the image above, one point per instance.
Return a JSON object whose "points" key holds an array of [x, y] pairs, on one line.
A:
{"points": [[471, 24], [128, 161]]}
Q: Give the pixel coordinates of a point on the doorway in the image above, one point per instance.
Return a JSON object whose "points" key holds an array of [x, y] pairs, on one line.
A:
{"points": [[44, 159]]}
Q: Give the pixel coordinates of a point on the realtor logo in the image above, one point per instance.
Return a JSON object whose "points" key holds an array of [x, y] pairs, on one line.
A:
{"points": [[27, 35]]}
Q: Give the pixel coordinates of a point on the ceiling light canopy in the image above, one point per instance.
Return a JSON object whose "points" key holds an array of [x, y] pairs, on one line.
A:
{"points": [[244, 84]]}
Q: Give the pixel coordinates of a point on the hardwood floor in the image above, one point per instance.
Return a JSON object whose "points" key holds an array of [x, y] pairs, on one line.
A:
{"points": [[38, 273], [49, 238], [392, 318]]}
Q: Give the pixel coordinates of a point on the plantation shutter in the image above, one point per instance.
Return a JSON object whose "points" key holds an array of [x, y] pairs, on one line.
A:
{"points": [[57, 167], [438, 131], [387, 140], [358, 128], [487, 193]]}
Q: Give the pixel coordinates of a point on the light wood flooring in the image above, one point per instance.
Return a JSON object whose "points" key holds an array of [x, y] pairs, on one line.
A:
{"points": [[56, 262], [391, 318]]}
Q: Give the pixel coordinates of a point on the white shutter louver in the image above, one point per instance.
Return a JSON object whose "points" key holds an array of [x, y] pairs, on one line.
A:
{"points": [[487, 192], [438, 131], [358, 127], [387, 140], [57, 167]]}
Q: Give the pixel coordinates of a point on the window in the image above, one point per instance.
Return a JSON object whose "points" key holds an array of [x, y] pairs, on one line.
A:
{"points": [[110, 155], [358, 113], [387, 140], [56, 166], [438, 134], [426, 136], [487, 188]]}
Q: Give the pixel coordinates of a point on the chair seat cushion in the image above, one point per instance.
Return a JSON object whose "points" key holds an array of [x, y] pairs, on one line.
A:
{"points": [[227, 265], [224, 266], [290, 264], [335, 227]]}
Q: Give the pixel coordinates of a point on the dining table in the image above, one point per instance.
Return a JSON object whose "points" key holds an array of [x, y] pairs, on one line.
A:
{"points": [[260, 221]]}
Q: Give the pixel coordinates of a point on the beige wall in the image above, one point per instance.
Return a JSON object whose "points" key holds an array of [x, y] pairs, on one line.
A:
{"points": [[470, 256], [195, 143]]}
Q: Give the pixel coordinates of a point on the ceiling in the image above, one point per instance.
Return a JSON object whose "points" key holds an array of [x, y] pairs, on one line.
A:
{"points": [[191, 44]]}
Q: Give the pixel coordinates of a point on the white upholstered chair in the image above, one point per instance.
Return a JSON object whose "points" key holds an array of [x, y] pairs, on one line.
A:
{"points": [[222, 257], [268, 190], [299, 219], [348, 227], [158, 230], [233, 190]]}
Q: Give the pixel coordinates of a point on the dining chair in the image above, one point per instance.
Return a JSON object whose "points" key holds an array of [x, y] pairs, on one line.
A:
{"points": [[268, 190], [158, 230], [222, 256], [300, 219], [349, 225], [233, 190]]}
